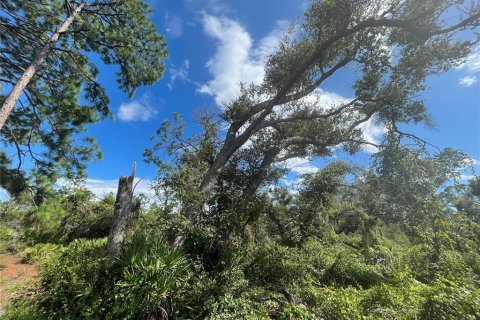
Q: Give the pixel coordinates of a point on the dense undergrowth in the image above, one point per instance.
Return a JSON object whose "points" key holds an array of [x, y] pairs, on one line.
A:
{"points": [[316, 254]]}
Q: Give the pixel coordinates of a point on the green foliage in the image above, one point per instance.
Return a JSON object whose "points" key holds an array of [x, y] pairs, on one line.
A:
{"points": [[404, 185], [76, 285], [340, 303], [293, 311], [67, 216], [349, 270], [24, 309], [41, 252], [87, 217], [64, 95], [78, 282], [180, 163], [43, 223], [449, 300], [230, 308], [5, 234], [153, 275]]}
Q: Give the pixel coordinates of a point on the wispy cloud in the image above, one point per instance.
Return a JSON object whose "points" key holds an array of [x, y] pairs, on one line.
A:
{"points": [[471, 66], [467, 81], [142, 109], [180, 74], [300, 165], [173, 25], [215, 6], [101, 187], [472, 62]]}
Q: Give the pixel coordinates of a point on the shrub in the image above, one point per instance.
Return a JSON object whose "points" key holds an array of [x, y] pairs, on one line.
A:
{"points": [[25, 308], [349, 270], [151, 275], [42, 224], [449, 300], [63, 218], [77, 284], [294, 311], [401, 300], [5, 235], [340, 303], [230, 308], [87, 217], [40, 252]]}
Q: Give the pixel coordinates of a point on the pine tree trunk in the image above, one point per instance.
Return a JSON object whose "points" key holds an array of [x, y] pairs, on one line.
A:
{"points": [[12, 98], [123, 215]]}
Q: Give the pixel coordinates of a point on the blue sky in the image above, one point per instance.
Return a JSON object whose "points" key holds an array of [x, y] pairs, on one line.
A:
{"points": [[213, 45]]}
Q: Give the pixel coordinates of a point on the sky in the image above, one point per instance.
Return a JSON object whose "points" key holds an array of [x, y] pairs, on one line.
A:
{"points": [[214, 45]]}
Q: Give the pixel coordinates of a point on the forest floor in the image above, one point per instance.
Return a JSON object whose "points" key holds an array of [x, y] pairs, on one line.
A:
{"points": [[14, 276]]}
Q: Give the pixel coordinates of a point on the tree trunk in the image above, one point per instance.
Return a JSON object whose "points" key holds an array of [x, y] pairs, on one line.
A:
{"points": [[123, 215], [256, 179], [14, 95]]}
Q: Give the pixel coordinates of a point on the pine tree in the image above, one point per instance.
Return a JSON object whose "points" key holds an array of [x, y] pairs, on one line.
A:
{"points": [[45, 64]]}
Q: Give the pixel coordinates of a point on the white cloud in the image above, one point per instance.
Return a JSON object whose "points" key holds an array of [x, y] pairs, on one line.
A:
{"points": [[468, 171], [180, 73], [372, 133], [472, 62], [300, 165], [467, 81], [137, 110], [100, 188], [326, 100], [472, 66], [173, 25], [237, 58], [471, 162]]}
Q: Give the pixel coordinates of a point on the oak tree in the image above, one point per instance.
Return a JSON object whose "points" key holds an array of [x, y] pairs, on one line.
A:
{"points": [[392, 46]]}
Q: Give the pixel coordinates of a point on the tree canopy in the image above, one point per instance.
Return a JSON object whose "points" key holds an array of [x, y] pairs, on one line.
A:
{"points": [[392, 45]]}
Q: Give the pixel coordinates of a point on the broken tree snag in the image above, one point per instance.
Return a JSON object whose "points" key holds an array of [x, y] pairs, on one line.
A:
{"points": [[123, 215]]}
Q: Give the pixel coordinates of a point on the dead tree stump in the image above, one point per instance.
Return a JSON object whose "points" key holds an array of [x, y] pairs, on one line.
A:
{"points": [[123, 215]]}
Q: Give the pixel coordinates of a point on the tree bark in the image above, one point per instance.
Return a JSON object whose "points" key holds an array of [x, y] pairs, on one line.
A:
{"points": [[14, 95], [256, 179], [123, 215]]}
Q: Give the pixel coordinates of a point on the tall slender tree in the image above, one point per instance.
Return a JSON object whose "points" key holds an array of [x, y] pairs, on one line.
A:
{"points": [[48, 80]]}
